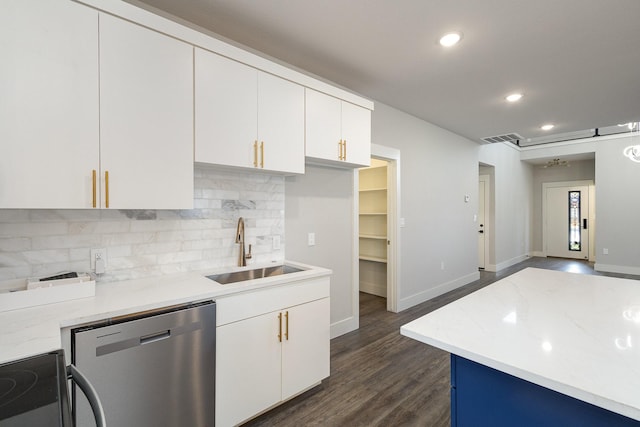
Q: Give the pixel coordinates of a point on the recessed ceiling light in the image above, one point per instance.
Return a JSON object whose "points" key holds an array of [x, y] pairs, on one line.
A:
{"points": [[547, 127], [450, 39], [514, 97]]}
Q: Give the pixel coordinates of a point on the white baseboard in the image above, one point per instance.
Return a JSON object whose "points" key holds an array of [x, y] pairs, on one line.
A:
{"points": [[344, 326], [373, 288], [421, 297], [510, 262], [622, 269], [490, 267], [540, 254]]}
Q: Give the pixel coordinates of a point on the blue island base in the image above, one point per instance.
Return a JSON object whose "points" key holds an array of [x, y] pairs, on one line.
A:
{"points": [[483, 396]]}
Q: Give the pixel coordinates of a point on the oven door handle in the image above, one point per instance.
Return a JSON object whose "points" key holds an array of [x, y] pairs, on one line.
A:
{"points": [[90, 392]]}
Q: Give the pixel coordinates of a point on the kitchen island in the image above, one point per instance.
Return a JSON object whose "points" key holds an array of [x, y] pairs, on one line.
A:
{"points": [[541, 347]]}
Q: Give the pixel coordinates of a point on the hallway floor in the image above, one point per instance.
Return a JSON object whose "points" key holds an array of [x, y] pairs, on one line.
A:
{"points": [[381, 378]]}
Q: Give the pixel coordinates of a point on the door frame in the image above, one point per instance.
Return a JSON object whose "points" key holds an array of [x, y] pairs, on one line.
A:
{"points": [[486, 179], [392, 157], [592, 213]]}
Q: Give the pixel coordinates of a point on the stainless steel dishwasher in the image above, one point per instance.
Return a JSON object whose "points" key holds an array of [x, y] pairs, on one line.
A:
{"points": [[155, 368]]}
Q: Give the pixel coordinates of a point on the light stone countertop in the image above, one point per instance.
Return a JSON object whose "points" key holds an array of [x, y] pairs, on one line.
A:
{"points": [[36, 330], [573, 333]]}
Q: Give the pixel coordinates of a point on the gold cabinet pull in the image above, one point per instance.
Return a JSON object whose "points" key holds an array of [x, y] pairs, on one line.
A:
{"points": [[255, 154], [286, 330], [280, 327], [340, 150], [344, 144], [262, 154], [93, 180], [106, 189]]}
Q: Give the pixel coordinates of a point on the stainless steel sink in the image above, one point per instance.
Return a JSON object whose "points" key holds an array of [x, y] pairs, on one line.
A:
{"points": [[259, 273]]}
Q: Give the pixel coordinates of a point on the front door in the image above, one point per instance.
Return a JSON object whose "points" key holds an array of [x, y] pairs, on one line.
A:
{"points": [[567, 213]]}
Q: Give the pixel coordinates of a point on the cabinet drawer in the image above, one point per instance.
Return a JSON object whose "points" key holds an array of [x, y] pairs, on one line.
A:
{"points": [[238, 307]]}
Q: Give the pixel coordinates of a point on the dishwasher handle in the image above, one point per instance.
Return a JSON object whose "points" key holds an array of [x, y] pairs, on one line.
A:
{"points": [[158, 336], [90, 392]]}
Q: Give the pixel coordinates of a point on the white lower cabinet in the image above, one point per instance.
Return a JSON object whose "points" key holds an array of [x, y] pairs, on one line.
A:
{"points": [[266, 356]]}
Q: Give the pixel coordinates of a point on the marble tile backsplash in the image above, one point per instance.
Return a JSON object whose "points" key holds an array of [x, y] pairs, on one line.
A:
{"points": [[143, 243]]}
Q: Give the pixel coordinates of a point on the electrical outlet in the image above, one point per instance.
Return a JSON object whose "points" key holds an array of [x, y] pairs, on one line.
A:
{"points": [[311, 239], [99, 255], [276, 242], [605, 251], [441, 265]]}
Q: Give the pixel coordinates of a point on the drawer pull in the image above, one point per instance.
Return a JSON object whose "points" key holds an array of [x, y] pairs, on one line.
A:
{"points": [[286, 331], [93, 179]]}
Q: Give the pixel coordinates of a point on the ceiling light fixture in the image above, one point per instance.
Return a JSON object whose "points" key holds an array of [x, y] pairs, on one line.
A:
{"points": [[450, 39], [547, 127], [555, 163], [514, 97]]}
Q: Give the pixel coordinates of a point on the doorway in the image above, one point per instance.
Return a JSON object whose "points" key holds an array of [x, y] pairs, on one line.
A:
{"points": [[568, 219], [378, 237], [485, 218], [483, 227]]}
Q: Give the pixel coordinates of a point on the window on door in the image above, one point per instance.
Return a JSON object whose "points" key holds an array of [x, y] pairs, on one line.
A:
{"points": [[575, 243]]}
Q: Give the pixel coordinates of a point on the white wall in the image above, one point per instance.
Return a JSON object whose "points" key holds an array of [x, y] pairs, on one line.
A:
{"points": [[617, 207], [512, 193], [321, 202], [438, 169]]}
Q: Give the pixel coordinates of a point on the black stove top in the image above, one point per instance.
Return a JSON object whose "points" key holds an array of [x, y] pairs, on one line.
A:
{"points": [[33, 392]]}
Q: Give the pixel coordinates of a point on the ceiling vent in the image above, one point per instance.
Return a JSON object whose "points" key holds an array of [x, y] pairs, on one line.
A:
{"points": [[513, 138]]}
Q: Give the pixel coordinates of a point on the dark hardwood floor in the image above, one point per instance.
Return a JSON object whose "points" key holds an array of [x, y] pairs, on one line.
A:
{"points": [[381, 378]]}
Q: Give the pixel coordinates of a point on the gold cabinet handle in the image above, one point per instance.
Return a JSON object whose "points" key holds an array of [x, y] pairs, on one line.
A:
{"points": [[280, 327], [340, 150], [344, 144], [262, 154], [93, 180], [286, 330], [106, 189], [255, 154]]}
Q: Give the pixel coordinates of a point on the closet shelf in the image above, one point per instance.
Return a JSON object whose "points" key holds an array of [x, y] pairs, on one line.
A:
{"points": [[373, 236], [373, 258], [372, 213], [363, 190]]}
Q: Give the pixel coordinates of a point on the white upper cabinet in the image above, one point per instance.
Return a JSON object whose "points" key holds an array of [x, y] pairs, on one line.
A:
{"points": [[280, 124], [146, 117], [247, 118], [226, 110], [356, 134], [48, 104], [337, 131]]}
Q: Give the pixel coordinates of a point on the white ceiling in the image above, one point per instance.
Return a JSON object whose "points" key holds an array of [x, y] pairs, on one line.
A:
{"points": [[576, 61]]}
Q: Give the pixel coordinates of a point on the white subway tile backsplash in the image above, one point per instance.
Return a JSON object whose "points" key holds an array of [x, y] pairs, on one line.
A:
{"points": [[17, 244], [28, 228], [143, 243], [47, 256], [66, 241]]}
